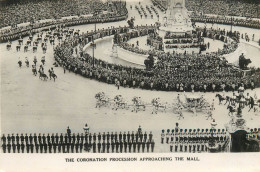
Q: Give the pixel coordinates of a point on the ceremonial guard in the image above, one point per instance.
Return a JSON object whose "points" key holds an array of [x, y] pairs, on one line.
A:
{"points": [[108, 146], [168, 136], [162, 136]]}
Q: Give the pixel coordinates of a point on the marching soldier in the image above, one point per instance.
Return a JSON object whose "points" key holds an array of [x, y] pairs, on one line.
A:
{"points": [[4, 147], [136, 136], [124, 137], [73, 138], [86, 137], [128, 136], [94, 147], [103, 146], [99, 137], [176, 146], [112, 145], [150, 137], [57, 138], [26, 139], [22, 138], [59, 147], [138, 146], [27, 147], [108, 136], [66, 138], [61, 138], [125, 146], [90, 138], [152, 145], [78, 137], [45, 146], [32, 147], [99, 147], [43, 139], [48, 138], [72, 147], [41, 147], [94, 137], [30, 138], [143, 146], [171, 144], [121, 146], [120, 136], [13, 138], [148, 145], [162, 136], [108, 146], [134, 146], [3, 138], [50, 147], [52, 138], [68, 146], [168, 136], [8, 138], [141, 136], [77, 147], [117, 145], [54, 147], [104, 136], [63, 145], [14, 147], [86, 146], [9, 147], [17, 138], [22, 147], [115, 136], [112, 137], [129, 146], [81, 146]]}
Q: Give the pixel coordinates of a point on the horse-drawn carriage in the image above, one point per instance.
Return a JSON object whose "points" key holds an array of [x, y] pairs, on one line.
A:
{"points": [[102, 100], [195, 103]]}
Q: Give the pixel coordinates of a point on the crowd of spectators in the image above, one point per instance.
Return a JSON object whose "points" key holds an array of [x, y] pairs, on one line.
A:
{"points": [[21, 31], [242, 8], [34, 10], [172, 72]]}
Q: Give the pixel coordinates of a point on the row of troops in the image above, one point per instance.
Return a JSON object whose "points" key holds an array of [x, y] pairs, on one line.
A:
{"points": [[73, 138], [62, 147], [190, 135], [254, 134]]}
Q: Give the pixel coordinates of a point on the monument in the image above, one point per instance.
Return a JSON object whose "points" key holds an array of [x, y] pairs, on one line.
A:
{"points": [[177, 19]]}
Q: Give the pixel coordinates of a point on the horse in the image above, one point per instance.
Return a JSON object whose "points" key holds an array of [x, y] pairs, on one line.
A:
{"points": [[220, 98], [34, 71], [157, 105], [54, 76], [34, 49], [231, 110], [8, 46], [20, 63], [20, 41], [43, 76], [119, 103], [18, 48], [137, 104], [25, 49], [102, 99]]}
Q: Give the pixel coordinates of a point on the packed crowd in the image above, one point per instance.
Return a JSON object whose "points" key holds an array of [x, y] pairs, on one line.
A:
{"points": [[196, 140], [226, 20], [21, 31], [172, 72], [243, 8], [32, 10], [134, 142]]}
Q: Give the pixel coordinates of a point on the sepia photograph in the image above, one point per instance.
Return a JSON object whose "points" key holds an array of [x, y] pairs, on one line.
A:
{"points": [[140, 82]]}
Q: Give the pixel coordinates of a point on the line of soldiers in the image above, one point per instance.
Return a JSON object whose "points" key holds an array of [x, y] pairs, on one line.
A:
{"points": [[254, 133], [65, 143], [193, 140]]}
